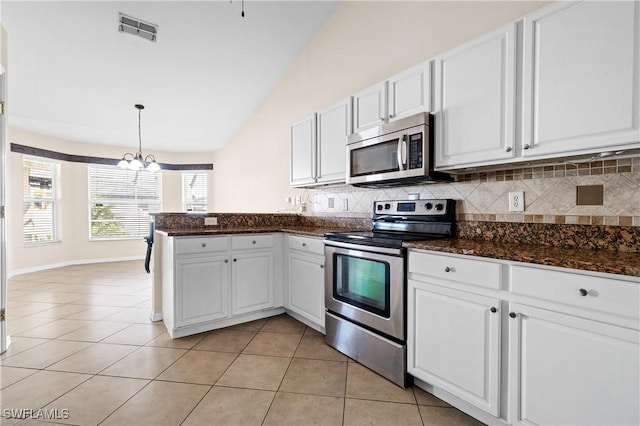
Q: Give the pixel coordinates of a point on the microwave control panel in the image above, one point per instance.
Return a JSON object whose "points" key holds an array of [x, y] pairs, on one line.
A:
{"points": [[415, 151]]}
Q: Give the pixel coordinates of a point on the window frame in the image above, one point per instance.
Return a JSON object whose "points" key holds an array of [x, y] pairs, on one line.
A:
{"points": [[112, 201], [185, 202], [54, 200]]}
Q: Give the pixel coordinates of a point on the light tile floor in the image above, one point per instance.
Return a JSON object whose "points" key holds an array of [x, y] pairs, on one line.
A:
{"points": [[83, 345]]}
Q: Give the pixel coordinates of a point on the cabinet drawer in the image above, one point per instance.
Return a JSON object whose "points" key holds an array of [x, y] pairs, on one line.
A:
{"points": [[610, 295], [306, 244], [475, 272], [251, 241], [201, 245]]}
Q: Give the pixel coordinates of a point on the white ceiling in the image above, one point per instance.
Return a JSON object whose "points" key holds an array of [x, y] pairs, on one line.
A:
{"points": [[72, 75]]}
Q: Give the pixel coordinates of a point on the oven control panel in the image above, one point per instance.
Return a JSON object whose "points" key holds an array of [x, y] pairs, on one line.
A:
{"points": [[413, 207]]}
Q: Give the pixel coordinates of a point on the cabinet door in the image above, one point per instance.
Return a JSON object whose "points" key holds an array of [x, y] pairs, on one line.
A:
{"points": [[581, 77], [334, 124], [303, 152], [454, 343], [475, 101], [566, 370], [202, 286], [410, 92], [306, 286], [252, 282], [370, 107]]}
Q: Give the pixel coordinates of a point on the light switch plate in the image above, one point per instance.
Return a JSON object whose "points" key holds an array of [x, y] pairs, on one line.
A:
{"points": [[516, 201]]}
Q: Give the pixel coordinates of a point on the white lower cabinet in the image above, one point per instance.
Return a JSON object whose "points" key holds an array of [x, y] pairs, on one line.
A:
{"points": [[305, 280], [252, 282], [454, 340], [217, 281], [561, 348], [204, 289], [567, 370]]}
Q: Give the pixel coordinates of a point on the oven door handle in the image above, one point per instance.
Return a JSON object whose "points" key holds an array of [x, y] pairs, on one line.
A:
{"points": [[361, 247]]}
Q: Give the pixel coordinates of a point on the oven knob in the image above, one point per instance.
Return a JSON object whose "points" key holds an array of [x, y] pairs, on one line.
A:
{"points": [[379, 207], [387, 206], [428, 206], [439, 207]]}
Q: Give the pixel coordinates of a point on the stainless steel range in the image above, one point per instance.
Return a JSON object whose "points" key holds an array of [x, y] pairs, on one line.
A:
{"points": [[365, 282]]}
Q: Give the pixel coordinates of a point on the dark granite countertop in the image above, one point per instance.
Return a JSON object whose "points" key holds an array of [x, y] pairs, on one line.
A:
{"points": [[609, 261], [317, 231]]}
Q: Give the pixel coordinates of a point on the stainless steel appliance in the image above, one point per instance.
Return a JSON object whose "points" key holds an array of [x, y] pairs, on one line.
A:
{"points": [[365, 282], [394, 153]]}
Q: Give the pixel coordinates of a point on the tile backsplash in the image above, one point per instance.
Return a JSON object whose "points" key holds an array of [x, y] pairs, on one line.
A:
{"points": [[549, 193]]}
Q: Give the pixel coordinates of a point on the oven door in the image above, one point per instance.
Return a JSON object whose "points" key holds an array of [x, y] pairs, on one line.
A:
{"points": [[365, 285]]}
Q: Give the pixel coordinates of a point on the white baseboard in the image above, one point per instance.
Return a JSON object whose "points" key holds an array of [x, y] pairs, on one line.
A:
{"points": [[11, 274]]}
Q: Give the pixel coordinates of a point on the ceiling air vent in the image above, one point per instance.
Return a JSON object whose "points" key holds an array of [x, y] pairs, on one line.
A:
{"points": [[127, 24]]}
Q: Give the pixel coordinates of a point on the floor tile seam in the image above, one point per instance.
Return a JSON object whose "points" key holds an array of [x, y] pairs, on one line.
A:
{"points": [[65, 357], [41, 343], [381, 400], [311, 393], [35, 370], [95, 374], [222, 374], [196, 405], [319, 359], [149, 381], [89, 377]]}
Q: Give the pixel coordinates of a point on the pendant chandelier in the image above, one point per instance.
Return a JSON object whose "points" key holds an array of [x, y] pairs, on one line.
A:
{"points": [[137, 161]]}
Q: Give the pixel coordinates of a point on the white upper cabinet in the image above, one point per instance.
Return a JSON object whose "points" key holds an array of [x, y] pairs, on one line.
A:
{"points": [[409, 92], [475, 101], [334, 124], [303, 152], [370, 107], [581, 86], [404, 94]]}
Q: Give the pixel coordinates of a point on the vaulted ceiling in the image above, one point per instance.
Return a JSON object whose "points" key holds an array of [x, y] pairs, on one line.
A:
{"points": [[73, 75]]}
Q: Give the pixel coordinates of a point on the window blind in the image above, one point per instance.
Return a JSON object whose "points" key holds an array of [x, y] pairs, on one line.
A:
{"points": [[120, 202], [194, 191], [39, 201]]}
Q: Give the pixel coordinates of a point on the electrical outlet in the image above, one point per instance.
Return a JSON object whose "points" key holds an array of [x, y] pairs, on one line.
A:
{"points": [[516, 201], [345, 205], [331, 203], [211, 221]]}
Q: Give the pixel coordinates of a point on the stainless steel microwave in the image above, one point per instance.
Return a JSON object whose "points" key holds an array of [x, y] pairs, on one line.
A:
{"points": [[395, 153]]}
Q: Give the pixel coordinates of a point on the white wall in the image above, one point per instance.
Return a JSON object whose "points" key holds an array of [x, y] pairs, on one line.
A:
{"points": [[73, 210], [361, 43]]}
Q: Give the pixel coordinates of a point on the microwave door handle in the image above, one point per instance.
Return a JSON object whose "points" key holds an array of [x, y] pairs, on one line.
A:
{"points": [[402, 152], [399, 154]]}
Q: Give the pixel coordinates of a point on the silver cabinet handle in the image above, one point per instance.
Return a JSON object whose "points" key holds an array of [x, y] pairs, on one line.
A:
{"points": [[508, 149], [447, 269], [226, 261], [321, 266], [203, 245], [381, 118], [253, 242], [304, 244], [391, 115], [583, 292], [526, 146]]}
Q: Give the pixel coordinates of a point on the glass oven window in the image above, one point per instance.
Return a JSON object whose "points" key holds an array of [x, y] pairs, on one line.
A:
{"points": [[363, 283], [378, 158]]}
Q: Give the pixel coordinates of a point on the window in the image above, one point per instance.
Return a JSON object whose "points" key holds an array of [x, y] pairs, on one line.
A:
{"points": [[120, 202], [194, 191], [40, 193]]}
